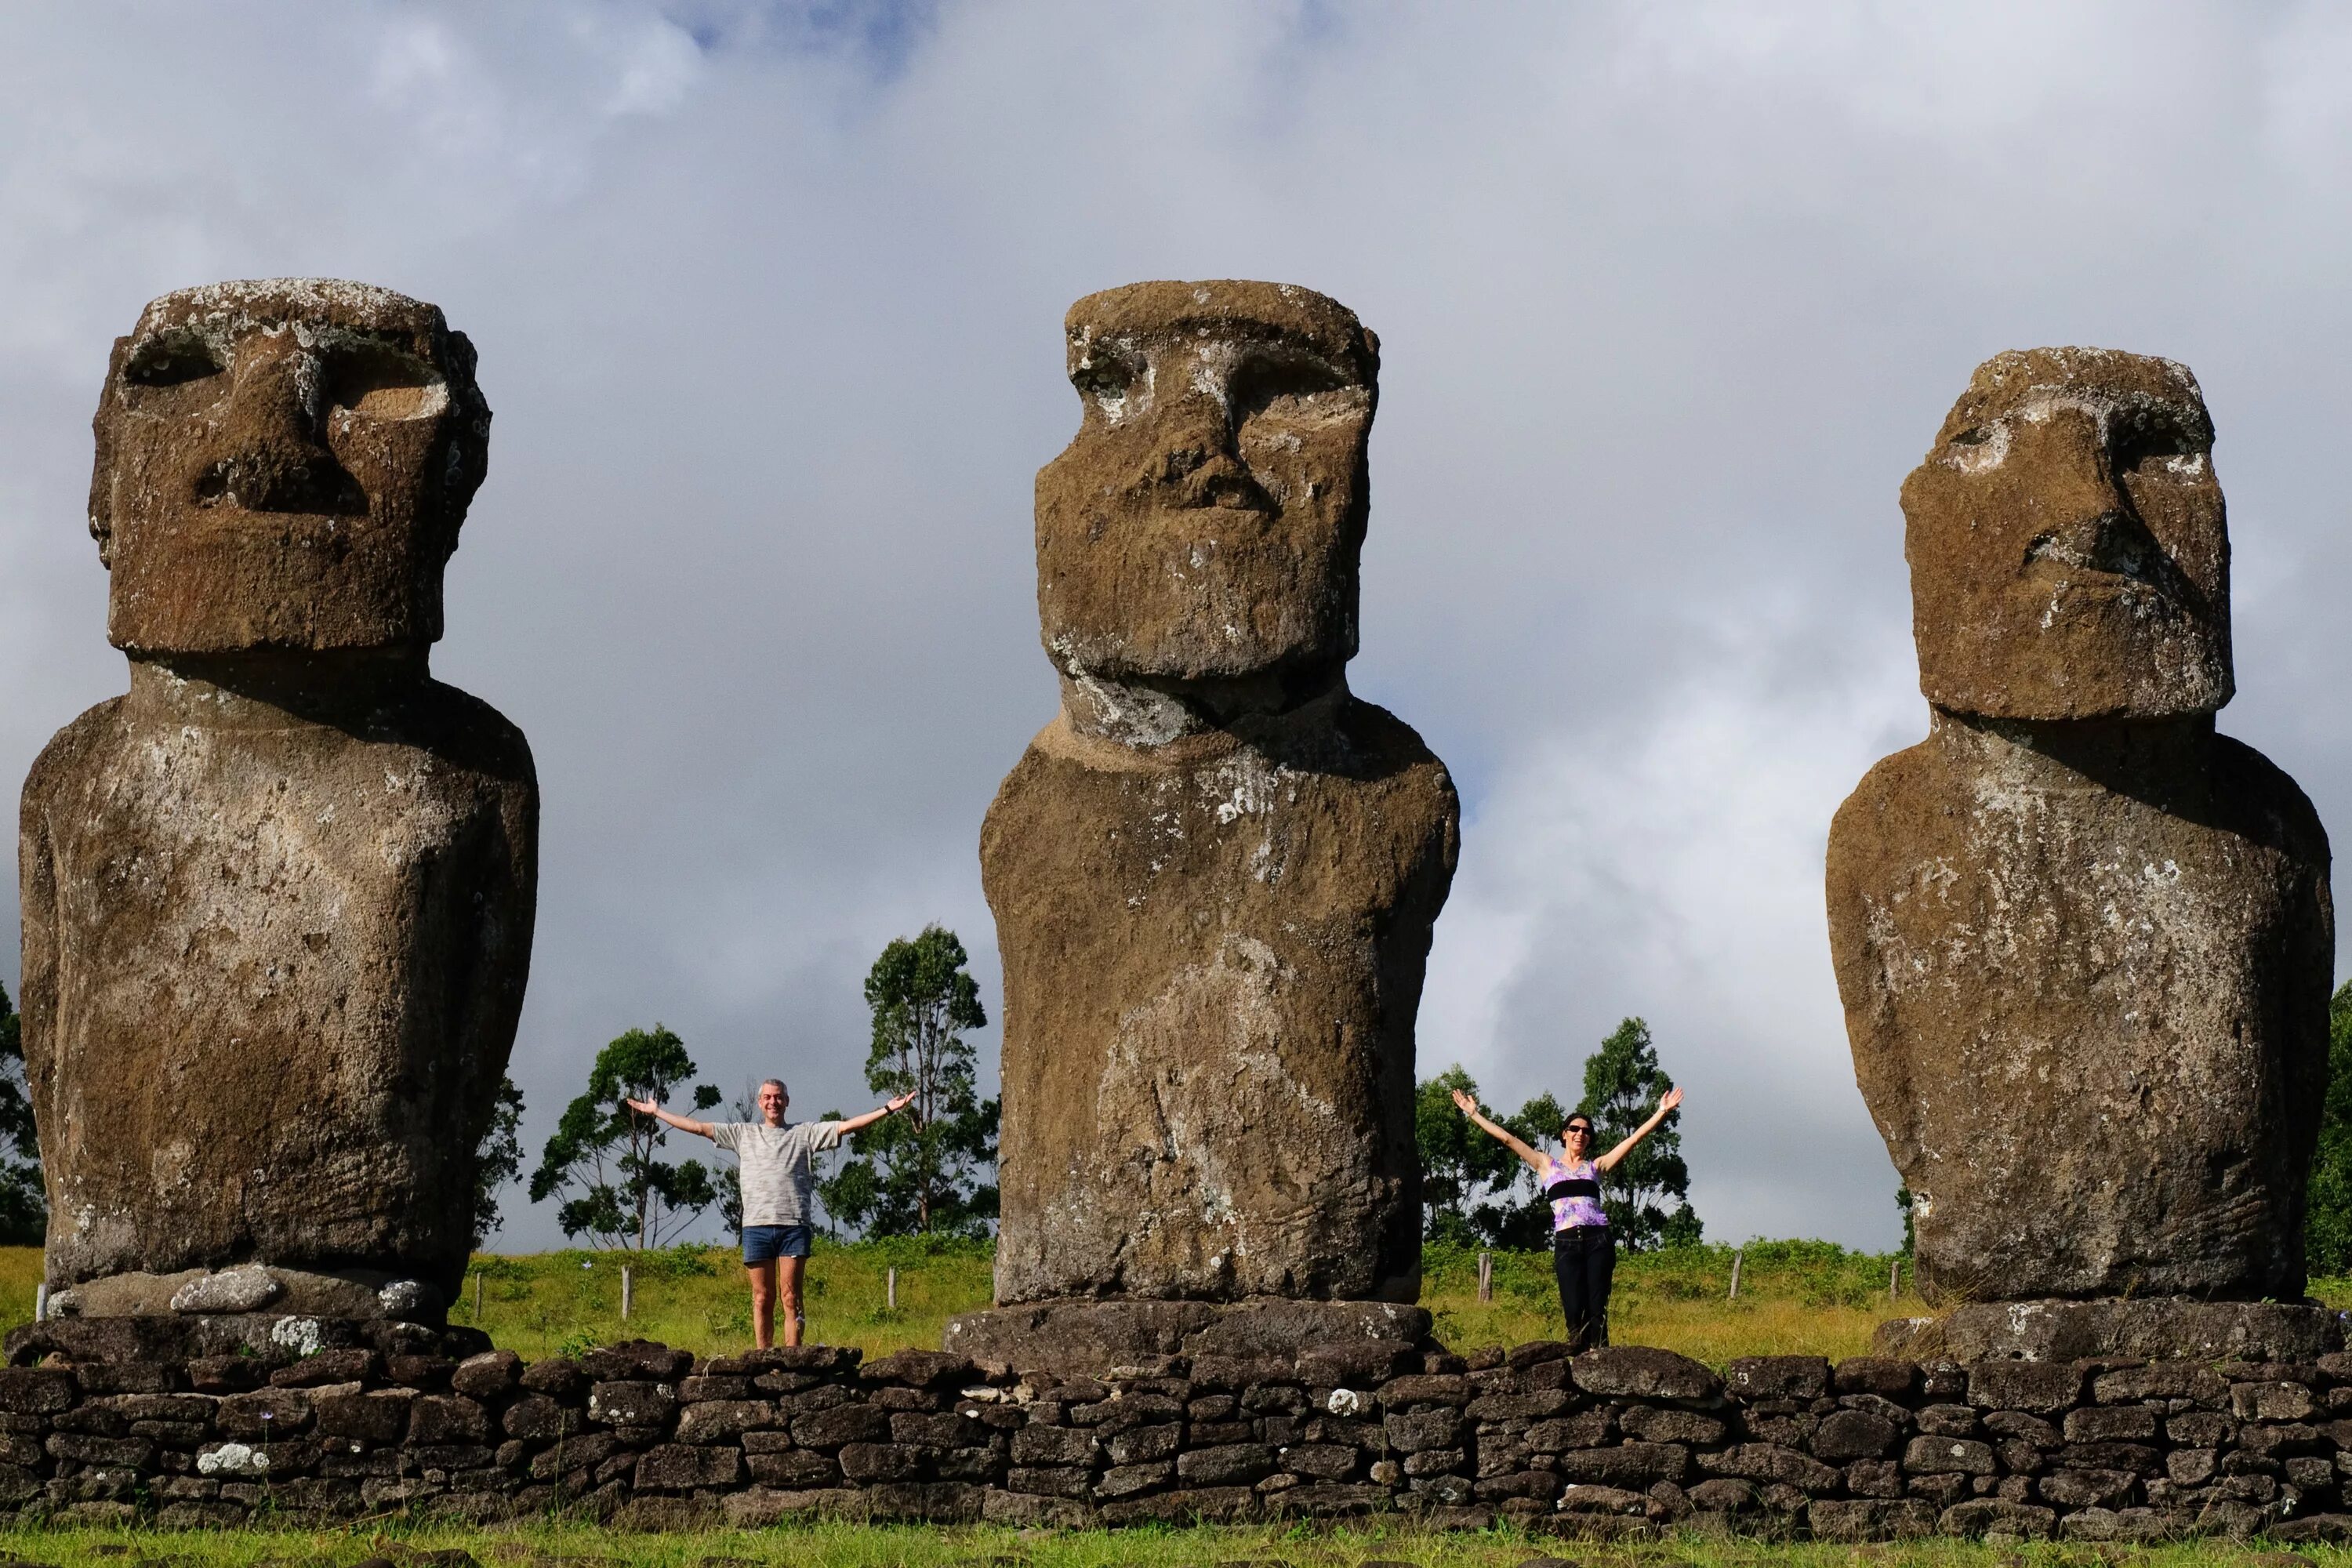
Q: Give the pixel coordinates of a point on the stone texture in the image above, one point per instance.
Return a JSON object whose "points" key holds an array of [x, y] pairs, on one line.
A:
{"points": [[2084, 942], [1214, 874], [2154, 1327], [277, 899], [1645, 1372], [1331, 1342]]}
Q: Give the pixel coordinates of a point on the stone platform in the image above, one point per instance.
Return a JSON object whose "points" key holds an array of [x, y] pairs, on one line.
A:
{"points": [[1626, 1443], [2158, 1328], [1084, 1338], [176, 1338]]}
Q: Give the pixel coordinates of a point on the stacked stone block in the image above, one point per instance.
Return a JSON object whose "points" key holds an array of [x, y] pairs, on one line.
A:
{"points": [[1623, 1441]]}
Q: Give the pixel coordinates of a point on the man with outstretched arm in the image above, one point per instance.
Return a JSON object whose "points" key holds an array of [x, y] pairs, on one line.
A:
{"points": [[777, 1181]]}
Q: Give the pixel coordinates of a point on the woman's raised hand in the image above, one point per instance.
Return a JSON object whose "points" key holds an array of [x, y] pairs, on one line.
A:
{"points": [[642, 1107], [1468, 1106], [1674, 1098]]}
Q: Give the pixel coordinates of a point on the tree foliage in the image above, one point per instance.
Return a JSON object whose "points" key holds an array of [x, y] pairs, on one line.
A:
{"points": [[1473, 1188], [2327, 1221], [604, 1155], [1622, 1084], [23, 1207], [498, 1159], [928, 1169]]}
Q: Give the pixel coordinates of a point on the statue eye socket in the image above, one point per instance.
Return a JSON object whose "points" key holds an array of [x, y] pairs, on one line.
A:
{"points": [[382, 382], [1104, 377], [2154, 443], [172, 358], [1279, 383], [1975, 435]]}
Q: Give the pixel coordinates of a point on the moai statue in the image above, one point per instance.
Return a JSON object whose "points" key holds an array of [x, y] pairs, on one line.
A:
{"points": [[2084, 942], [277, 899], [1214, 874]]}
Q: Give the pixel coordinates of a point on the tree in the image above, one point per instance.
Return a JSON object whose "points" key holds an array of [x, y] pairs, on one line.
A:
{"points": [[603, 1153], [744, 1107], [926, 1169], [1622, 1084], [498, 1159], [1473, 1189], [1458, 1161], [2328, 1219], [24, 1207]]}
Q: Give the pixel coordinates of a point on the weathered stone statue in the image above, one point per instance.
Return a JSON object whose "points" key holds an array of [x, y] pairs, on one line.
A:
{"points": [[277, 899], [2084, 942], [1215, 872]]}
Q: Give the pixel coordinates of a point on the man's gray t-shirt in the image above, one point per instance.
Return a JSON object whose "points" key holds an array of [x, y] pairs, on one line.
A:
{"points": [[777, 1179]]}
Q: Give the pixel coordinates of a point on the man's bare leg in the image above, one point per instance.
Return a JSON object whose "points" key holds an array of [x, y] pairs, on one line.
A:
{"points": [[763, 1304], [788, 1271]]}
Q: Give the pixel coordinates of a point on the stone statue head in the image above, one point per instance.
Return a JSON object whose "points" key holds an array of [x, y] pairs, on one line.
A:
{"points": [[2069, 554], [283, 465], [1204, 524]]}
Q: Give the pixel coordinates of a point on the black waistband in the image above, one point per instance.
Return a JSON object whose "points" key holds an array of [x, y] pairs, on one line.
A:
{"points": [[1573, 1188]]}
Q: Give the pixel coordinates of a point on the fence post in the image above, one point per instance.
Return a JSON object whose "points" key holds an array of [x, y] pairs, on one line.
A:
{"points": [[1736, 1256], [1485, 1277], [41, 1302], [478, 1298], [627, 1295], [1894, 1277], [891, 1287]]}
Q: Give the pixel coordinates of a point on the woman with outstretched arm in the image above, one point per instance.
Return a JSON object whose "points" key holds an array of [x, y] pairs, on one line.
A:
{"points": [[1583, 1255]]}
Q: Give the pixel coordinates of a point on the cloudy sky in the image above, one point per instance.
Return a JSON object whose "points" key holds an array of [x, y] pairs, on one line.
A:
{"points": [[768, 301]]}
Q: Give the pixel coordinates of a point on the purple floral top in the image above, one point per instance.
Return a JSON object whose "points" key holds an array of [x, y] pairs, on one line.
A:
{"points": [[1575, 1192]]}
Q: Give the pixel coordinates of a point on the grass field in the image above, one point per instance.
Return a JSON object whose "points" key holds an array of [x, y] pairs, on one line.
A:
{"points": [[917, 1546], [1798, 1296], [1795, 1298]]}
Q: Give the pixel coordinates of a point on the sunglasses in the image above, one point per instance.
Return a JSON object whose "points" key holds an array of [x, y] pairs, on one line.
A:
{"points": [[1586, 1131]]}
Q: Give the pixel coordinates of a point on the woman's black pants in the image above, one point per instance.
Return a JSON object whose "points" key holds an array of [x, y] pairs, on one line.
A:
{"points": [[1584, 1259]]}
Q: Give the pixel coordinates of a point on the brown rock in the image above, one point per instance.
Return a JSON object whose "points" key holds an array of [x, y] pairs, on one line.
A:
{"points": [[2084, 943], [277, 899], [1214, 874]]}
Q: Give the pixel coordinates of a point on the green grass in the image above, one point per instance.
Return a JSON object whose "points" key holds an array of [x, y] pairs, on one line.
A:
{"points": [[1807, 1298], [1795, 1298], [820, 1545], [695, 1297]]}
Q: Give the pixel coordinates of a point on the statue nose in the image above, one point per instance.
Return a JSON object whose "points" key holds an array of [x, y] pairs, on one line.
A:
{"points": [[269, 456], [2089, 520], [1196, 463]]}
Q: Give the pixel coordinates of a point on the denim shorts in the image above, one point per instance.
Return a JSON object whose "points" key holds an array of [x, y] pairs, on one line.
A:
{"points": [[766, 1243]]}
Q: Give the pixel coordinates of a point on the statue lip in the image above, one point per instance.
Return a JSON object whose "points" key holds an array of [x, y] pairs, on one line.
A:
{"points": [[1256, 516], [223, 518]]}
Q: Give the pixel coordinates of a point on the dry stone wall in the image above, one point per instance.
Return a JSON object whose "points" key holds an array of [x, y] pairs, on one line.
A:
{"points": [[1617, 1442]]}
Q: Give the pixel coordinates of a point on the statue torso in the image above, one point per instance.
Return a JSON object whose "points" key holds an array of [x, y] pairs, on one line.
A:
{"points": [[1213, 955], [2096, 984], [280, 961]]}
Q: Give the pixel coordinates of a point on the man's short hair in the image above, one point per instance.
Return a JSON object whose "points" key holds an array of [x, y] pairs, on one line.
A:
{"points": [[780, 1086]]}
